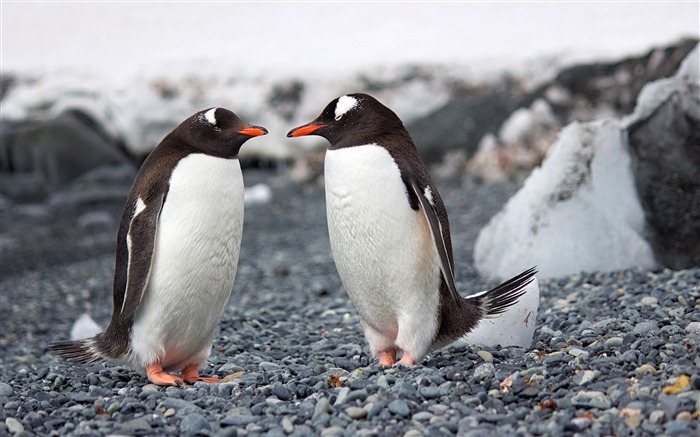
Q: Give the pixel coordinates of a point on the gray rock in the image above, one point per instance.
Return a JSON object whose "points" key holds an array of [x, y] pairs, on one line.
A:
{"points": [[666, 162], [281, 392], [399, 407], [644, 328], [54, 151], [238, 419], [486, 370], [5, 389], [193, 424], [462, 122]]}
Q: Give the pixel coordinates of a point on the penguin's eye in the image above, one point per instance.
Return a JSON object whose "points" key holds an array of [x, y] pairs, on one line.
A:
{"points": [[344, 105]]}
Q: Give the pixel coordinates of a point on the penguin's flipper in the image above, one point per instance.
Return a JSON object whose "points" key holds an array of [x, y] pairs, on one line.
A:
{"points": [[428, 208], [140, 246]]}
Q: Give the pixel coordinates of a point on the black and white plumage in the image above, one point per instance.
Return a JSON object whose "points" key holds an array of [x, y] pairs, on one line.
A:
{"points": [[390, 235], [177, 252]]}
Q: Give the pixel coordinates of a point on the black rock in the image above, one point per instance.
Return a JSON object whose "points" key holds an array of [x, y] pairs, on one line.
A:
{"points": [[38, 156], [462, 122], [665, 151]]}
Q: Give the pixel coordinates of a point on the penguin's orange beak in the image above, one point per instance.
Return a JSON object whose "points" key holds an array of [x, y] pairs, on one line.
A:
{"points": [[253, 131], [306, 129]]}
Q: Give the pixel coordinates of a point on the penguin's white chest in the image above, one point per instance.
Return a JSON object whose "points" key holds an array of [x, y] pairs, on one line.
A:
{"points": [[194, 265], [382, 247]]}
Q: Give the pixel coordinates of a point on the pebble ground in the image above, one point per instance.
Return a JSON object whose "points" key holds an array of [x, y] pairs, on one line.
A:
{"points": [[614, 353]]}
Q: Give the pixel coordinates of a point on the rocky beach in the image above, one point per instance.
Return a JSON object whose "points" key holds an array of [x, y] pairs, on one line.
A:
{"points": [[614, 353]]}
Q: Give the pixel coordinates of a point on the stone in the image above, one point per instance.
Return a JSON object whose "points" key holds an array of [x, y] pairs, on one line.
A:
{"points": [[55, 151], [666, 162], [14, 425], [483, 371], [399, 407], [356, 412]]}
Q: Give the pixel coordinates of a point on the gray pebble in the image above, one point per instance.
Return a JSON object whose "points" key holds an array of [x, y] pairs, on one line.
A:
{"points": [[193, 424], [13, 425], [356, 412], [644, 328], [484, 371], [399, 407]]}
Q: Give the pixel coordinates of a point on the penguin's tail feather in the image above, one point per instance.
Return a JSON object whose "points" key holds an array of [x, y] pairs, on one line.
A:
{"points": [[499, 299], [80, 351]]}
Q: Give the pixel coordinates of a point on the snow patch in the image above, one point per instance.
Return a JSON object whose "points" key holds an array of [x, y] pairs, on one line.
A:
{"points": [[259, 194]]}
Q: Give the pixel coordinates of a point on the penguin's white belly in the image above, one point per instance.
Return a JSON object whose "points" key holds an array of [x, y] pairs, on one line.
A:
{"points": [[382, 248], [196, 255]]}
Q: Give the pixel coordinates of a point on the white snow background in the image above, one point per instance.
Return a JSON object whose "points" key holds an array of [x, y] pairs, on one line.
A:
{"points": [[108, 59]]}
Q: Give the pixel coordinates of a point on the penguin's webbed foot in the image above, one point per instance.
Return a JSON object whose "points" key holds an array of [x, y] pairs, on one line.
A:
{"points": [[387, 357], [159, 377], [407, 360], [191, 375]]}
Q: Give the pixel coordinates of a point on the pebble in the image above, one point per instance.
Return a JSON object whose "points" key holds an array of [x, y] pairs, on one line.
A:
{"points": [[356, 412], [322, 406], [593, 399], [484, 371], [585, 377], [644, 328], [14, 425], [399, 407], [650, 301], [693, 327], [646, 369], [5, 390], [486, 356]]}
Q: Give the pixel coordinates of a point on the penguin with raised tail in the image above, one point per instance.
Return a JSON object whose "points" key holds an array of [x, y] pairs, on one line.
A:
{"points": [[177, 252], [390, 236]]}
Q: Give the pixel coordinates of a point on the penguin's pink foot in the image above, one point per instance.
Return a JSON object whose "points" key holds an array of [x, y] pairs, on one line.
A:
{"points": [[407, 359], [387, 357], [157, 376], [191, 375]]}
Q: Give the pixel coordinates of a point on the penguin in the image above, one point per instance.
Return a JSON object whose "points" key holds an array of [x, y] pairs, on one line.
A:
{"points": [[177, 253], [390, 236]]}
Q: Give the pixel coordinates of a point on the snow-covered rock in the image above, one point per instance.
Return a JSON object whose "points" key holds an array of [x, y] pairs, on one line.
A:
{"points": [[585, 92], [514, 327], [580, 211]]}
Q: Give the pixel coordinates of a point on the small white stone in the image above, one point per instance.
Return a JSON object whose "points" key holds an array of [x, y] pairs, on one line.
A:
{"points": [[693, 327]]}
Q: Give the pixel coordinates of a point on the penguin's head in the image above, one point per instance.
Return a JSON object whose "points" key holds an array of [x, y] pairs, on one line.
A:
{"points": [[217, 132], [351, 120]]}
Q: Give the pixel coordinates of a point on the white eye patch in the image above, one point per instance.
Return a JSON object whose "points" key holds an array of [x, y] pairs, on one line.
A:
{"points": [[210, 116], [344, 104]]}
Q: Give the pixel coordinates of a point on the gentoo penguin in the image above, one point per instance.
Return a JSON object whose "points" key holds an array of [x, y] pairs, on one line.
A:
{"points": [[177, 252], [390, 236]]}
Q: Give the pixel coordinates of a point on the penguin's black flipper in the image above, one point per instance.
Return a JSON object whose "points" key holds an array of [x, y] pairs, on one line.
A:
{"points": [[428, 208], [140, 248]]}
